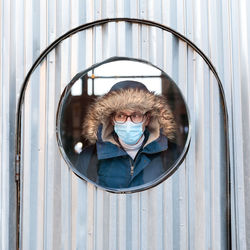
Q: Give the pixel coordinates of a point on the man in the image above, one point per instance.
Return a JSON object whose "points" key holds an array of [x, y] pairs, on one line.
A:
{"points": [[131, 131]]}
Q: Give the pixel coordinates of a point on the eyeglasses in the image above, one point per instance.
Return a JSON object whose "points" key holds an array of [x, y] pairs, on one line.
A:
{"points": [[135, 117]]}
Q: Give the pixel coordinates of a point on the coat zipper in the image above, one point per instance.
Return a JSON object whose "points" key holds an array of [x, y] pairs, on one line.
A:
{"points": [[131, 170], [132, 164]]}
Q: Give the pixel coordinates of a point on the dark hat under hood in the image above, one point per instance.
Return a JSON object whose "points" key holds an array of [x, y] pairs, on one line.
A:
{"points": [[134, 96]]}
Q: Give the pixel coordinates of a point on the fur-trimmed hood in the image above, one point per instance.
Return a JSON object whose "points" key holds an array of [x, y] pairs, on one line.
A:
{"points": [[133, 96]]}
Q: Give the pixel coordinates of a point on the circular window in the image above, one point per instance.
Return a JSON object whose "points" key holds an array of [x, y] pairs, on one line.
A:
{"points": [[123, 125]]}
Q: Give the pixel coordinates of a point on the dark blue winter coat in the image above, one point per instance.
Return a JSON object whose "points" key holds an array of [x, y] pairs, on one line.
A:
{"points": [[110, 166]]}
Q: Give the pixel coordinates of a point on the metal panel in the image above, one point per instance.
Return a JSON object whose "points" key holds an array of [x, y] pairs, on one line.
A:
{"points": [[53, 75], [7, 123], [60, 211]]}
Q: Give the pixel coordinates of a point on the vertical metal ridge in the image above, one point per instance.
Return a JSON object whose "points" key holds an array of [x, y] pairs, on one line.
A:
{"points": [[237, 131], [5, 30]]}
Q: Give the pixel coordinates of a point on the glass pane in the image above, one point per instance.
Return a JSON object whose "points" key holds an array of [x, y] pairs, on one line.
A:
{"points": [[129, 154]]}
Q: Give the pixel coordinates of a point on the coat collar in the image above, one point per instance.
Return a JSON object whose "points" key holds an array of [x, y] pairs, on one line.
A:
{"points": [[106, 150]]}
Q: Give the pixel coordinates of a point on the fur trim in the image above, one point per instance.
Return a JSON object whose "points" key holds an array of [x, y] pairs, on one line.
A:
{"points": [[161, 116]]}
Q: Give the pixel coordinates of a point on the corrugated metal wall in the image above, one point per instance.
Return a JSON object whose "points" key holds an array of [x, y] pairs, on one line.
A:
{"points": [[188, 211]]}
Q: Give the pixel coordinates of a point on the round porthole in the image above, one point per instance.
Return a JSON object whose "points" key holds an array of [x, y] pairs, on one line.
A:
{"points": [[123, 125]]}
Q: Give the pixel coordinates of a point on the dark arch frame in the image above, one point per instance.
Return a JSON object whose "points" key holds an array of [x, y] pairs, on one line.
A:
{"points": [[91, 25]]}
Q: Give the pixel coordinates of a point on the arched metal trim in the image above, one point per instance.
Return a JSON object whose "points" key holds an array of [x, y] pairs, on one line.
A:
{"points": [[91, 25]]}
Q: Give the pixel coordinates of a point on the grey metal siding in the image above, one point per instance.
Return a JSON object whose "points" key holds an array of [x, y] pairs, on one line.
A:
{"points": [[187, 211]]}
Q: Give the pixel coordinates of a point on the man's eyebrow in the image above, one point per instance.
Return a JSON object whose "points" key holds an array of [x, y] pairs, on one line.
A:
{"points": [[131, 113]]}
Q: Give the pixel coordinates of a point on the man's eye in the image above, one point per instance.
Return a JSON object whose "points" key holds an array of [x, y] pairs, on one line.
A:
{"points": [[137, 115]]}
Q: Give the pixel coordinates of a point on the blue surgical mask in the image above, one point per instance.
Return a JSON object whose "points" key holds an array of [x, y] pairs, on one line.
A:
{"points": [[129, 132]]}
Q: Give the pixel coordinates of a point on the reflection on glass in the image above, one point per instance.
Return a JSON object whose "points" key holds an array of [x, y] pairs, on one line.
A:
{"points": [[78, 147], [101, 85], [125, 68], [76, 89], [128, 126], [105, 76]]}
